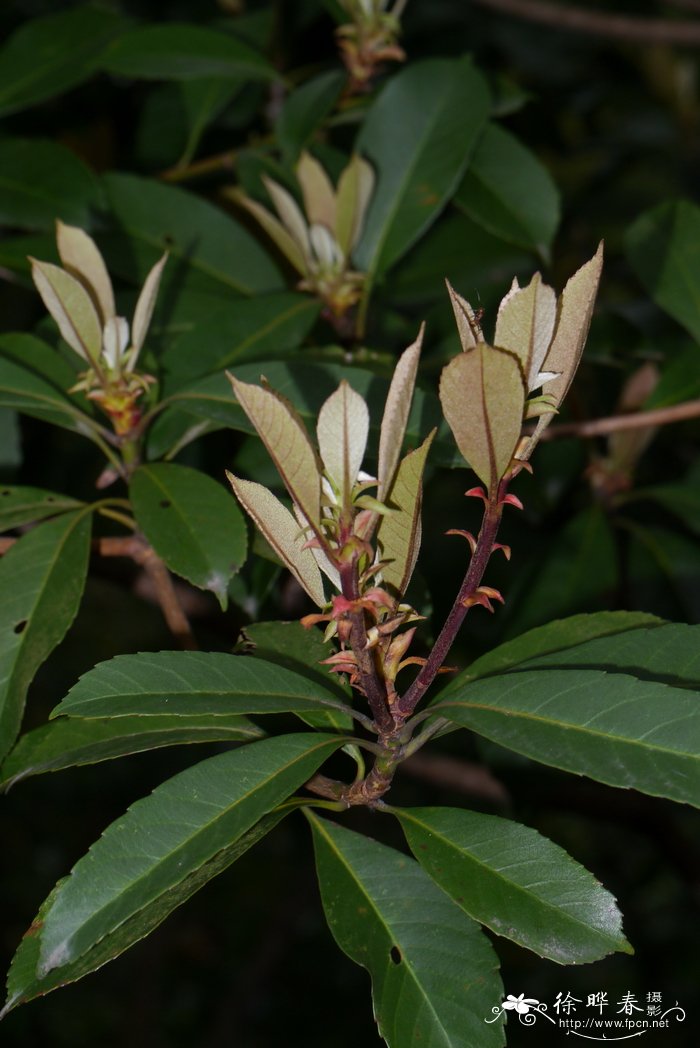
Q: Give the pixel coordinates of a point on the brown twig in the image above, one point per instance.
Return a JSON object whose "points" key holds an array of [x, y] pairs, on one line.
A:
{"points": [[138, 550], [449, 773], [220, 162], [600, 23], [601, 427]]}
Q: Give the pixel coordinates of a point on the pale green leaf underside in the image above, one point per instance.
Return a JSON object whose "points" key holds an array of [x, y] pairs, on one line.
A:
{"points": [[516, 882], [614, 727], [434, 974]]}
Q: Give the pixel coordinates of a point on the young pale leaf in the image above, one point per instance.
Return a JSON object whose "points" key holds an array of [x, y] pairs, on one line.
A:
{"points": [[82, 258], [574, 319], [618, 728], [187, 683], [145, 306], [283, 434], [399, 532], [355, 188], [516, 882], [293, 251], [483, 396], [191, 522], [41, 578], [165, 839], [395, 417], [343, 425], [72, 741], [71, 307], [283, 533], [525, 324], [23, 982], [20, 505], [291, 216], [317, 191], [470, 333], [434, 973]]}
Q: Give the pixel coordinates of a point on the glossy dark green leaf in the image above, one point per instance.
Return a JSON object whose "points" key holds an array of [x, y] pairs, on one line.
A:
{"points": [[215, 253], [41, 181], [290, 645], [47, 56], [419, 136], [21, 505], [264, 327], [71, 741], [304, 109], [24, 983], [508, 191], [41, 358], [41, 582], [192, 682], [434, 973], [175, 115], [25, 391], [683, 500], [192, 523], [516, 882], [668, 652], [183, 52], [662, 249], [10, 439], [165, 839], [554, 638], [619, 728]]}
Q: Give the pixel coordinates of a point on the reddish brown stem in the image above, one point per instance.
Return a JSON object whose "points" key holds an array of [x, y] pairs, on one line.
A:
{"points": [[472, 580], [370, 680]]}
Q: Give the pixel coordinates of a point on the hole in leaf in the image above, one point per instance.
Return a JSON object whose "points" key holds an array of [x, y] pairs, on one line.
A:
{"points": [[50, 498], [395, 954], [7, 491], [21, 626], [165, 503]]}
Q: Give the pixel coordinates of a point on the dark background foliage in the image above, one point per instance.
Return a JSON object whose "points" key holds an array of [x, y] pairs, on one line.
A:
{"points": [[248, 961]]}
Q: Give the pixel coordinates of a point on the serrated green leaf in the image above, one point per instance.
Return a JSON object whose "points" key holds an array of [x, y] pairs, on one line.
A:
{"points": [[483, 396], [23, 983], [192, 524], [509, 192], [41, 582], [554, 638], [71, 741], [47, 56], [399, 532], [283, 532], [42, 180], [618, 728], [301, 650], [418, 162], [516, 882], [184, 683], [165, 838], [215, 252], [184, 52], [434, 973], [342, 429], [22, 505]]}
